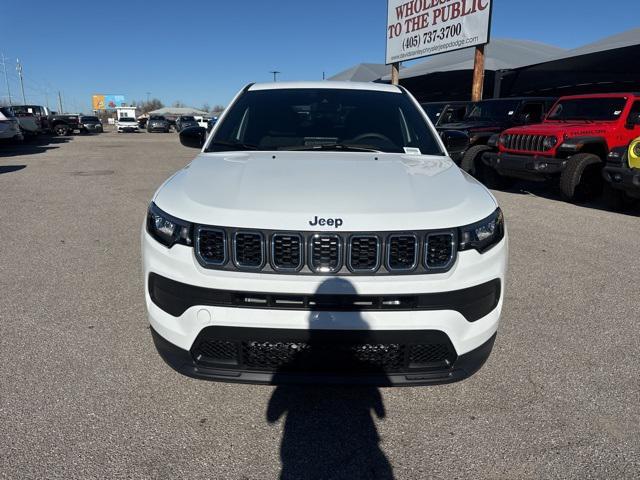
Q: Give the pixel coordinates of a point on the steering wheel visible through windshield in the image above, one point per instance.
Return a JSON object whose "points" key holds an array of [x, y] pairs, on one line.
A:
{"points": [[325, 119]]}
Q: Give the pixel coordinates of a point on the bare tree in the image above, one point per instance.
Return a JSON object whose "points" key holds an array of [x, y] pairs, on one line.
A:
{"points": [[217, 109], [178, 104], [205, 107]]}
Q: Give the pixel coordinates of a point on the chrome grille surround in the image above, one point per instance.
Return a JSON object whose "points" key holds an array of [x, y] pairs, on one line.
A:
{"points": [[325, 253], [278, 255], [355, 249], [394, 265], [242, 254], [202, 258], [447, 242]]}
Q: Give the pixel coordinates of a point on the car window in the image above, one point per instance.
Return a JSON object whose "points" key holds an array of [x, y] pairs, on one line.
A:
{"points": [[595, 109], [532, 112], [305, 118], [493, 110], [187, 119], [7, 112]]}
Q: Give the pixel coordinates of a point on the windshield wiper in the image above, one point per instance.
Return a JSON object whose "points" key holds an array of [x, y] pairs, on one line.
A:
{"points": [[232, 145], [334, 146]]}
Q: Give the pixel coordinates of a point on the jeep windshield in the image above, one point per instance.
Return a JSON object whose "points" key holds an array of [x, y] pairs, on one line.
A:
{"points": [[492, 111], [321, 119], [588, 109]]}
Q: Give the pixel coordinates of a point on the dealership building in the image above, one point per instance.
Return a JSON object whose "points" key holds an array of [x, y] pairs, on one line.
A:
{"points": [[519, 68]]}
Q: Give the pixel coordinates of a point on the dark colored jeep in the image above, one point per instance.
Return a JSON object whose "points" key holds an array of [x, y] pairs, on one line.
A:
{"points": [[446, 112], [488, 117]]}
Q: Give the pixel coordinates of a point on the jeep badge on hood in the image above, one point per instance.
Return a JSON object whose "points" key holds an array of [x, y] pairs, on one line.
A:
{"points": [[329, 222]]}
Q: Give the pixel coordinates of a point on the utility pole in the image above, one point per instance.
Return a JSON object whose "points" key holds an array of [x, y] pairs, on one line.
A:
{"points": [[6, 79], [19, 69], [60, 102], [148, 93], [275, 75]]}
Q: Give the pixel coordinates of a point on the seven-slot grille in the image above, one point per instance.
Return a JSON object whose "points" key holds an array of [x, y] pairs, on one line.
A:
{"points": [[248, 249], [286, 252], [531, 143], [364, 253], [438, 250], [326, 253]]}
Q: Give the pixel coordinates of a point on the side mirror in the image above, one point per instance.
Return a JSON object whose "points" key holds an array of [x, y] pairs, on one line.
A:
{"points": [[193, 137], [455, 141]]}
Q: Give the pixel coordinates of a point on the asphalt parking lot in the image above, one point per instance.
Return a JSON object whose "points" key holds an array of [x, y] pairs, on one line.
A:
{"points": [[83, 393]]}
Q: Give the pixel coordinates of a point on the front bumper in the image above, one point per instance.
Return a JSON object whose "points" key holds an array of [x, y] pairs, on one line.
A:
{"points": [[128, 129], [623, 178], [357, 357], [442, 310], [525, 167]]}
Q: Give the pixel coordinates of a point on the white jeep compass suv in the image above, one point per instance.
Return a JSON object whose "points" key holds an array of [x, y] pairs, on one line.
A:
{"points": [[323, 235]]}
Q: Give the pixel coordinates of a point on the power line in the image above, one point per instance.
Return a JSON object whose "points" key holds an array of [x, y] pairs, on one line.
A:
{"points": [[6, 78], [19, 69]]}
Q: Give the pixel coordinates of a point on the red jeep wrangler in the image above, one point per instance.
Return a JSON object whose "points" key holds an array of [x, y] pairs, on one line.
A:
{"points": [[572, 143]]}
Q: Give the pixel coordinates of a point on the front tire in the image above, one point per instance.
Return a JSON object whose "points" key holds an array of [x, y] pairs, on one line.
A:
{"points": [[60, 130], [472, 164], [582, 180]]}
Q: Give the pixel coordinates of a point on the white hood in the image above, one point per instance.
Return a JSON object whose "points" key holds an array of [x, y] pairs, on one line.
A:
{"points": [[287, 190]]}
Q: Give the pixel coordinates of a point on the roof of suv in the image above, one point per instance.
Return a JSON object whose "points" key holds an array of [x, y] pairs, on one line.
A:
{"points": [[370, 86], [603, 95]]}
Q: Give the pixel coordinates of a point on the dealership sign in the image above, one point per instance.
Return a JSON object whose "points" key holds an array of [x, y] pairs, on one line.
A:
{"points": [[418, 28], [107, 102]]}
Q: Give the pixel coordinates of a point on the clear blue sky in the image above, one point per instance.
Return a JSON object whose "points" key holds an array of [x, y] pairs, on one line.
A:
{"points": [[199, 51]]}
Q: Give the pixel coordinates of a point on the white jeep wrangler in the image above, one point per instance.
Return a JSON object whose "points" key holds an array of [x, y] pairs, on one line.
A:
{"points": [[323, 235]]}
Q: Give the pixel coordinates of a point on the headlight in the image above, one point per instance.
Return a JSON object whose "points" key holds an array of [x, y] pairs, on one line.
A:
{"points": [[483, 235], [549, 143], [168, 230]]}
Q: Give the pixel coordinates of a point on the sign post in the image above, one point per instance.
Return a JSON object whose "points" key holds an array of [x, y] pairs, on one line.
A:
{"points": [[395, 73], [420, 28], [478, 75]]}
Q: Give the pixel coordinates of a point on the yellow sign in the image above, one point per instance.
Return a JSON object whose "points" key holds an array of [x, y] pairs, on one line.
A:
{"points": [[98, 102]]}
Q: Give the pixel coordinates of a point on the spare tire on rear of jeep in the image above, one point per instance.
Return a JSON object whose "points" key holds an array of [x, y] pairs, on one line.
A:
{"points": [[582, 180]]}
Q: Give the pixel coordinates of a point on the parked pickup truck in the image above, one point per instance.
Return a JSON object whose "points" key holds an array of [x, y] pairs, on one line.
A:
{"points": [[37, 115], [622, 174], [571, 145], [64, 124]]}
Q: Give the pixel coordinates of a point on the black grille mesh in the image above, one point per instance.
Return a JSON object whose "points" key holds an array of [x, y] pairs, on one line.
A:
{"points": [[420, 355], [322, 357], [287, 251], [439, 250], [212, 246], [300, 356], [325, 253], [363, 254], [217, 351], [249, 249], [402, 252]]}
